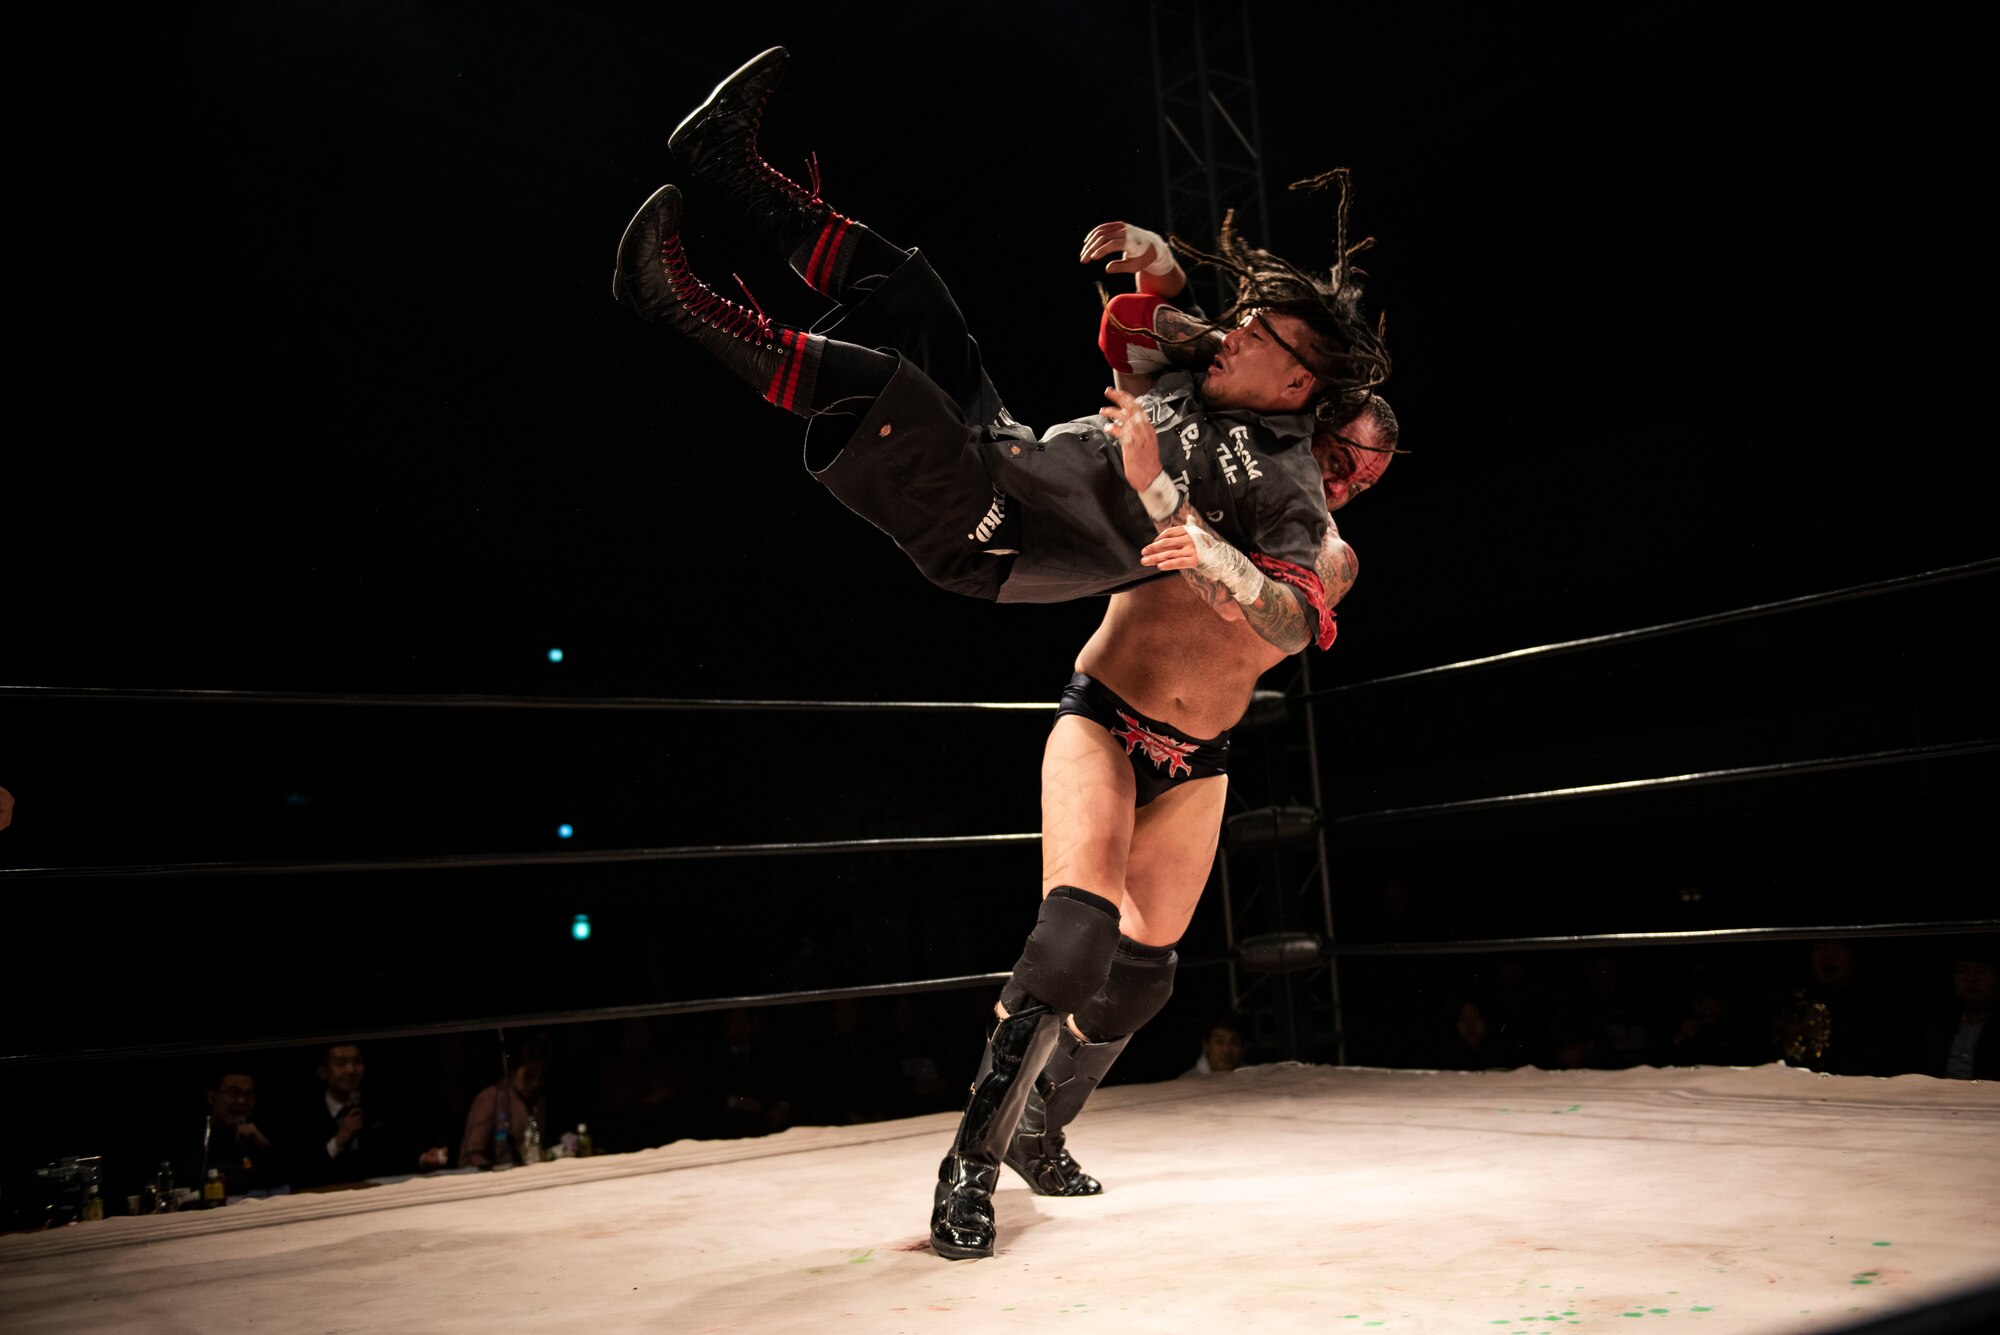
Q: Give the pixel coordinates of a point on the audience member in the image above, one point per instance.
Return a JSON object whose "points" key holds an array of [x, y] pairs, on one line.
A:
{"points": [[743, 1087], [229, 1140], [338, 1139], [1960, 1044], [1616, 1019], [642, 1092], [1715, 1029], [6, 808], [1481, 1037], [1222, 1048], [849, 1075], [525, 1101], [920, 1085], [1840, 1020], [1519, 996]]}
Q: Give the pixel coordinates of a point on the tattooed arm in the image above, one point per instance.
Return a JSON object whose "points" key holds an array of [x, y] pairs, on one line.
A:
{"points": [[1184, 544], [1227, 579], [1337, 565]]}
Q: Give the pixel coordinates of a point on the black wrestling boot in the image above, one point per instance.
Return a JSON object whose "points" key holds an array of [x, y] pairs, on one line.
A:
{"points": [[962, 1208], [1037, 1152], [653, 279], [718, 143]]}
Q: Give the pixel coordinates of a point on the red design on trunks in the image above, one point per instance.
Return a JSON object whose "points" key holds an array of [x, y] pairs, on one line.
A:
{"points": [[1160, 750]]}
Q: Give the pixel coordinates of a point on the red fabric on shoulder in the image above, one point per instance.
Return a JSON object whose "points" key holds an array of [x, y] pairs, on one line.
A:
{"points": [[1308, 586]]}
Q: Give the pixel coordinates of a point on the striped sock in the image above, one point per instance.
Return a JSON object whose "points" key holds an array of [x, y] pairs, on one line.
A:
{"points": [[791, 385], [840, 248], [814, 372]]}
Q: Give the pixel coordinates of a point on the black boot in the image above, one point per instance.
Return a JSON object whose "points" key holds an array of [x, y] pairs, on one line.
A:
{"points": [[1037, 1152], [653, 279], [962, 1209], [718, 143]]}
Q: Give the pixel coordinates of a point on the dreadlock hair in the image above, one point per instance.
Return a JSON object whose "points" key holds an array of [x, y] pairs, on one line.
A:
{"points": [[1346, 354]]}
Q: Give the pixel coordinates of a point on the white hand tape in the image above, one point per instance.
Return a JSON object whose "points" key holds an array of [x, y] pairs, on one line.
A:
{"points": [[1217, 560]]}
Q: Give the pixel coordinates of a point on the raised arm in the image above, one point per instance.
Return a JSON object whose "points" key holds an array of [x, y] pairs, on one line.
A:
{"points": [[1135, 359], [1143, 254]]}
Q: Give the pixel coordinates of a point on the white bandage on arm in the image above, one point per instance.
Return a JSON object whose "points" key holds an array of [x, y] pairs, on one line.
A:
{"points": [[1161, 498], [1138, 240], [1217, 560]]}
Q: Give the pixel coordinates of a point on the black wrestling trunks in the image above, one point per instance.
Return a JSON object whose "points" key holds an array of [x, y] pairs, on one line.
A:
{"points": [[1161, 757]]}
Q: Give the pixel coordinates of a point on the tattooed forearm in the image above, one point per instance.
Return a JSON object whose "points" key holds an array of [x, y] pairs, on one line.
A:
{"points": [[1209, 591], [1201, 341], [1277, 617]]}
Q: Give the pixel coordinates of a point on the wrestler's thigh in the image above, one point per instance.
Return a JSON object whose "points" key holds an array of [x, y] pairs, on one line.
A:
{"points": [[1087, 790], [1173, 848]]}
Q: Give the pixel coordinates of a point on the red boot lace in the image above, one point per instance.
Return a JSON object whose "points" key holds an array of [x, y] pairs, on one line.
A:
{"points": [[704, 305], [800, 196]]}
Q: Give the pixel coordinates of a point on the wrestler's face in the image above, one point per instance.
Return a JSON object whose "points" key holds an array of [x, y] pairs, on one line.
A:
{"points": [[1252, 369], [1345, 471]]}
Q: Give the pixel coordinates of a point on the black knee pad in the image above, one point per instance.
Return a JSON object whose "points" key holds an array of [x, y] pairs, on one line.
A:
{"points": [[1067, 956], [1140, 981]]}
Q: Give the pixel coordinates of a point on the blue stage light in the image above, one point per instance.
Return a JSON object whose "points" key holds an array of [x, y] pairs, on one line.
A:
{"points": [[555, 655], [564, 831], [579, 928]]}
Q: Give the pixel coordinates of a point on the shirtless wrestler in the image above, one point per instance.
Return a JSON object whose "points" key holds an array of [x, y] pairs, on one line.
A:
{"points": [[1133, 783]]}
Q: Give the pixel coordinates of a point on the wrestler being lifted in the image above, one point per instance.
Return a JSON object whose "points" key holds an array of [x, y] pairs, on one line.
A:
{"points": [[916, 441]]}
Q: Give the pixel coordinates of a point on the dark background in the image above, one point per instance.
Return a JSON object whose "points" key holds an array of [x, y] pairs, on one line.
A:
{"points": [[318, 386]]}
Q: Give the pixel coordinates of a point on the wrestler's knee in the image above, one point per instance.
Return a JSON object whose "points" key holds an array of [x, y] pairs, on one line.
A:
{"points": [[1067, 956], [1140, 980]]}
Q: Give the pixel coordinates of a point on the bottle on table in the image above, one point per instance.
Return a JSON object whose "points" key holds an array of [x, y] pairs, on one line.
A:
{"points": [[214, 1192], [163, 1200], [531, 1142], [583, 1145], [503, 1140]]}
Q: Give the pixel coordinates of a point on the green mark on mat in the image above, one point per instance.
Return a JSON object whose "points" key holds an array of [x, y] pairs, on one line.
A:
{"points": [[1503, 1321], [857, 1260], [1570, 1312], [815, 1271], [1866, 1277], [1657, 1311], [1879, 1244], [1701, 1309], [1631, 1314]]}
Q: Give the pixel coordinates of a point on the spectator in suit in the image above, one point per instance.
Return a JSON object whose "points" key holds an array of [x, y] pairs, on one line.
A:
{"points": [[338, 1139], [1961, 1042]]}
